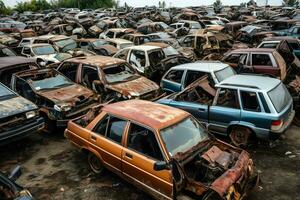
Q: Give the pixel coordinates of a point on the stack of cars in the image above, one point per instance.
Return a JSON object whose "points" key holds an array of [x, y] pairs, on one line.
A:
{"points": [[144, 92]]}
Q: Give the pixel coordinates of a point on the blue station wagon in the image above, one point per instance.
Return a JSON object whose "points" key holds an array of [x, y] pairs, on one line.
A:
{"points": [[179, 77], [241, 106]]}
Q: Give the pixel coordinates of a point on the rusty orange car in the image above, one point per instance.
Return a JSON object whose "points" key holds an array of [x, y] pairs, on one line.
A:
{"points": [[162, 150]]}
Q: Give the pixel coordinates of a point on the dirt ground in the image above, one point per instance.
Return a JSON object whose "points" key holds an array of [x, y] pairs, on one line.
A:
{"points": [[54, 169]]}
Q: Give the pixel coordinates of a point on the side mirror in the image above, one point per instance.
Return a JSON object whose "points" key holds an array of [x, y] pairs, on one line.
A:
{"points": [[15, 173], [161, 165]]}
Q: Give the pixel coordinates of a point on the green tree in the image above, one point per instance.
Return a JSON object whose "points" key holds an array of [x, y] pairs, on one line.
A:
{"points": [[217, 6]]}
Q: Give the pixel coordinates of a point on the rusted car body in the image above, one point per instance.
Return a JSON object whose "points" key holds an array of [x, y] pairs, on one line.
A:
{"points": [[149, 153], [257, 60], [99, 46], [112, 78], [18, 116], [14, 64], [58, 98], [233, 27]]}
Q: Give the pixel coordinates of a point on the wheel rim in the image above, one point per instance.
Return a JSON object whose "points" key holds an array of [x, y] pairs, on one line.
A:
{"points": [[240, 136], [95, 163]]}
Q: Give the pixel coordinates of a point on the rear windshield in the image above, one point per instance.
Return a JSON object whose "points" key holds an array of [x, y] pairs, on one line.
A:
{"points": [[224, 73], [280, 97]]}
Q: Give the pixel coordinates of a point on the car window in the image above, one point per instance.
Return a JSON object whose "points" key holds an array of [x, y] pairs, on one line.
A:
{"points": [[295, 45], [100, 128], [110, 34], [233, 58], [175, 76], [280, 97], [137, 58], [269, 45], [213, 41], [143, 141], [250, 101], [115, 129], [122, 54], [69, 70], [228, 98], [189, 41], [261, 59], [26, 51], [89, 75], [192, 76]]}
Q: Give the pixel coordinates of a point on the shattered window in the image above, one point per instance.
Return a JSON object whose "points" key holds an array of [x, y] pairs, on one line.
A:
{"points": [[138, 58], [192, 76], [155, 57], [54, 82], [89, 75], [143, 141], [261, 59], [228, 98], [183, 136], [250, 101], [175, 76], [119, 73], [116, 129]]}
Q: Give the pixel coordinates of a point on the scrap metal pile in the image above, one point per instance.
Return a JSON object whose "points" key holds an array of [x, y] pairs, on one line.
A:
{"points": [[102, 76]]}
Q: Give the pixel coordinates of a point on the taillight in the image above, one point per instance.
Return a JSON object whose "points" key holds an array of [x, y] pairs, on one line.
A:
{"points": [[276, 125]]}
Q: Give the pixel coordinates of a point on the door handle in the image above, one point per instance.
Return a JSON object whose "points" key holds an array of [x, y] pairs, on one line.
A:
{"points": [[128, 155], [94, 138], [201, 109]]}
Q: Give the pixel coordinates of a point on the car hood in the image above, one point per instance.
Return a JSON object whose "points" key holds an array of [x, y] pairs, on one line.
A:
{"points": [[70, 94], [14, 106], [136, 87]]}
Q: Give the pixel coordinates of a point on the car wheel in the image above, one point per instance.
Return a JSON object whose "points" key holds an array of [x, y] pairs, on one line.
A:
{"points": [[95, 163], [240, 136]]}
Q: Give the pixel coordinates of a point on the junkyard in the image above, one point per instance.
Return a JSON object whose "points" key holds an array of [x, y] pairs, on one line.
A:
{"points": [[100, 100]]}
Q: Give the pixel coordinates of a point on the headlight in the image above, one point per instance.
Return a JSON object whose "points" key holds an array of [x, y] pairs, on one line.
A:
{"points": [[30, 114], [62, 107]]}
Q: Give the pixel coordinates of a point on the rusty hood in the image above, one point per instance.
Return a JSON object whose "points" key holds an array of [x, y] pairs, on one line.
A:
{"points": [[70, 94], [136, 87], [14, 106]]}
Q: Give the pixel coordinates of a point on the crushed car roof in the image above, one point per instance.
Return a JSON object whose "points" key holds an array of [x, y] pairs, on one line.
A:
{"points": [[147, 113], [99, 61]]}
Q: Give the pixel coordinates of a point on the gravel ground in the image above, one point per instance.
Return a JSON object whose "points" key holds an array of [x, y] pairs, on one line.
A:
{"points": [[54, 169]]}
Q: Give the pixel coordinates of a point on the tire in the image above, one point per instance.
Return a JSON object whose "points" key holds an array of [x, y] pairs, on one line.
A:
{"points": [[95, 163], [240, 136]]}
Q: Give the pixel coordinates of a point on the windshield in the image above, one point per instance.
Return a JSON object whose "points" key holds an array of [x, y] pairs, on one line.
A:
{"points": [[169, 51], [5, 93], [6, 52], [280, 97], [54, 82], [67, 44], [44, 50], [195, 26], [224, 73], [118, 73], [164, 25], [124, 45], [99, 43], [183, 135]]}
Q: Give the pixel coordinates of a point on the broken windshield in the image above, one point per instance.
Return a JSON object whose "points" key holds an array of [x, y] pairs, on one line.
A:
{"points": [[119, 73], [54, 82], [183, 136]]}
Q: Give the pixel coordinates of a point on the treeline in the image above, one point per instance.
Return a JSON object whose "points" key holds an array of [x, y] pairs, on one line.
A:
{"points": [[39, 5]]}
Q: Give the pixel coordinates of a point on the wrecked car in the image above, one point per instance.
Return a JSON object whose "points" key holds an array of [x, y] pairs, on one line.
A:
{"points": [[44, 54], [99, 46], [181, 76], [18, 116], [58, 98], [9, 189], [112, 78], [226, 109], [162, 150], [257, 60]]}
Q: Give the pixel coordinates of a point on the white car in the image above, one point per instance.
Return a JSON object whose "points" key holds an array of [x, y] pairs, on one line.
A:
{"points": [[44, 54]]}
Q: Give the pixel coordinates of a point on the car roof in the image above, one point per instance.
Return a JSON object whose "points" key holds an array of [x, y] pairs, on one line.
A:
{"points": [[99, 61], [14, 60], [258, 82], [203, 66], [262, 50], [143, 47], [154, 115]]}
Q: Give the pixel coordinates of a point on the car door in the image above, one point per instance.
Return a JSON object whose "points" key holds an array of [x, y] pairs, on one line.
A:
{"points": [[264, 63], [172, 81], [224, 111], [142, 150], [107, 139]]}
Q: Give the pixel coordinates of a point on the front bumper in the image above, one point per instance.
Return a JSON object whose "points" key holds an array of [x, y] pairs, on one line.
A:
{"points": [[17, 133]]}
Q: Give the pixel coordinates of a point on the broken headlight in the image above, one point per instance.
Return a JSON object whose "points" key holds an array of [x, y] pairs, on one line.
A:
{"points": [[30, 114], [62, 107]]}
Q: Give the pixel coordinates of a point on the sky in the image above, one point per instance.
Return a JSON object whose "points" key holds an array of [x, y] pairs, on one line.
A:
{"points": [[178, 3]]}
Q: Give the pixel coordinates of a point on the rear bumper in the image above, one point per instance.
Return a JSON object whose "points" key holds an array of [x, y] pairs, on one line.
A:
{"points": [[21, 132]]}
